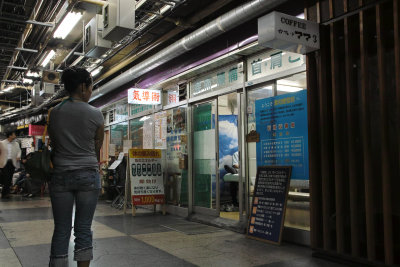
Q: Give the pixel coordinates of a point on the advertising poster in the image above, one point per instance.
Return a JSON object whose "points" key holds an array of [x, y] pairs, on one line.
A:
{"points": [[148, 134], [228, 145], [146, 172], [281, 122], [269, 203], [160, 130]]}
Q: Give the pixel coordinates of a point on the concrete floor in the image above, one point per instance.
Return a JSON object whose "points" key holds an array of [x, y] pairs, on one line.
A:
{"points": [[145, 240]]}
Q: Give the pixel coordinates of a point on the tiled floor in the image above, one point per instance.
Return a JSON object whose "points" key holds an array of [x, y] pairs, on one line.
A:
{"points": [[145, 240]]}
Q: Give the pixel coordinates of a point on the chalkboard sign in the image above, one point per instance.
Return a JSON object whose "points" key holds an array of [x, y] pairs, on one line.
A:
{"points": [[269, 203]]}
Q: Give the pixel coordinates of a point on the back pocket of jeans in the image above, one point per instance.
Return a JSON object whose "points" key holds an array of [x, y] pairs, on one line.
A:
{"points": [[88, 180]]}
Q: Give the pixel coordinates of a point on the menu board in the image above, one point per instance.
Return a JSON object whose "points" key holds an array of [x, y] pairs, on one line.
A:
{"points": [[269, 203]]}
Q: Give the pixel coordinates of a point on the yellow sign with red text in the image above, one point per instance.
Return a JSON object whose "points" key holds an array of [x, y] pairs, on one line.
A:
{"points": [[146, 172]]}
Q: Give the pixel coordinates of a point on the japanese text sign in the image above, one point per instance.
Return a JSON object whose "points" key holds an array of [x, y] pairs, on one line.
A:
{"points": [[146, 174], [173, 97], [144, 96], [269, 203], [35, 129], [288, 33], [283, 126]]}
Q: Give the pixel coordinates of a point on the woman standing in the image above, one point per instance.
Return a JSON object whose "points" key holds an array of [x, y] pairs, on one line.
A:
{"points": [[76, 131]]}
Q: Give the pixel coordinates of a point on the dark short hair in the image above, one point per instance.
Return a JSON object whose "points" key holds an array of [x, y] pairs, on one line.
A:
{"points": [[74, 76], [8, 134]]}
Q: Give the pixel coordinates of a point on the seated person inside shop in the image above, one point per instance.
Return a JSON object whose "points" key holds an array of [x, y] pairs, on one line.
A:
{"points": [[235, 186], [233, 183]]}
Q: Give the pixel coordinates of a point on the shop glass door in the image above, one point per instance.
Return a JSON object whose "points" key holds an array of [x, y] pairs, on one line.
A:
{"points": [[204, 156], [228, 157]]}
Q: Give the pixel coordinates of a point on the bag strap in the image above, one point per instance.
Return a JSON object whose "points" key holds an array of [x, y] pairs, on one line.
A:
{"points": [[45, 127]]}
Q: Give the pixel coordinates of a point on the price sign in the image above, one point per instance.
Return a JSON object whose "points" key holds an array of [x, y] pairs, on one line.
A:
{"points": [[146, 174]]}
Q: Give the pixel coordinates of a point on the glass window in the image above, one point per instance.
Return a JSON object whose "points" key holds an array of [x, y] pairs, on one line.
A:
{"points": [[283, 140], [119, 133], [176, 158], [141, 132]]}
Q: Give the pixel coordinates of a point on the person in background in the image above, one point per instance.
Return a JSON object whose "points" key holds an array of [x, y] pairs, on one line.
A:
{"points": [[76, 132], [11, 154]]}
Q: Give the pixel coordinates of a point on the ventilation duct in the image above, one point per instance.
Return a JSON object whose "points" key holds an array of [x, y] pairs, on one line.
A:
{"points": [[208, 32]]}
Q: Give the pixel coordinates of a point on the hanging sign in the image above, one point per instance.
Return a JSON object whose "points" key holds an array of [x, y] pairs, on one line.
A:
{"points": [[144, 96], [146, 172], [269, 203], [288, 33], [173, 97], [35, 130], [253, 136]]}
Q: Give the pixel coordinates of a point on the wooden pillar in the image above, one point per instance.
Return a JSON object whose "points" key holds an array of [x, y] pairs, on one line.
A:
{"points": [[385, 158]]}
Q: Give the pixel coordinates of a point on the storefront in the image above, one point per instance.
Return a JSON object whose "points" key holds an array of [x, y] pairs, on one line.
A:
{"points": [[207, 116]]}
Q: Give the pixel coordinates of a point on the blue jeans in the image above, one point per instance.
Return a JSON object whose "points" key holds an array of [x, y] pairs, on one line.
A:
{"points": [[81, 187]]}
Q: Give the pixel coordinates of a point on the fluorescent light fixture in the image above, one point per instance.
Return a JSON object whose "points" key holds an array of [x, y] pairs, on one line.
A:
{"points": [[25, 80], [17, 67], [288, 88], [8, 89], [67, 24], [144, 118], [48, 57], [32, 74], [96, 71]]}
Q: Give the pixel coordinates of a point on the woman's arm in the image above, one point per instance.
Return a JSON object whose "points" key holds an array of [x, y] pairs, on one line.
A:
{"points": [[98, 141]]}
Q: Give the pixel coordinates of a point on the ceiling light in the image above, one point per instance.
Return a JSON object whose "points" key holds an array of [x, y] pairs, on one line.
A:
{"points": [[48, 57], [288, 88], [32, 74], [67, 25], [96, 71], [25, 80], [8, 89]]}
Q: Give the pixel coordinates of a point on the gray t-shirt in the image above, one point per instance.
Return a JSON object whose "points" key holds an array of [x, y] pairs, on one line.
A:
{"points": [[72, 130]]}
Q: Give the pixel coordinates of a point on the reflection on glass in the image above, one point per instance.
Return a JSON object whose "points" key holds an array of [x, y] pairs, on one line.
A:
{"points": [[252, 96], [176, 158], [292, 84], [136, 133], [204, 154], [227, 150], [119, 133]]}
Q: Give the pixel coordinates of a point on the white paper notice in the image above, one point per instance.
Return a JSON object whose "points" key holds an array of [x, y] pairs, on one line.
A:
{"points": [[160, 130], [148, 134], [111, 150], [127, 143]]}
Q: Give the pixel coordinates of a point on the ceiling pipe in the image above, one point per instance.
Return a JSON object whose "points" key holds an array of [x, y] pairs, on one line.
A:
{"points": [[131, 57], [209, 31], [99, 3]]}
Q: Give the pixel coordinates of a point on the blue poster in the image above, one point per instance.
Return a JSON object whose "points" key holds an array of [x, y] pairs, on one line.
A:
{"points": [[228, 145], [281, 122]]}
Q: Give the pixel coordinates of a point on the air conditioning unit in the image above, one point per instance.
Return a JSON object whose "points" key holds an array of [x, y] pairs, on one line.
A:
{"points": [[118, 19], [95, 45], [51, 77], [47, 90]]}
